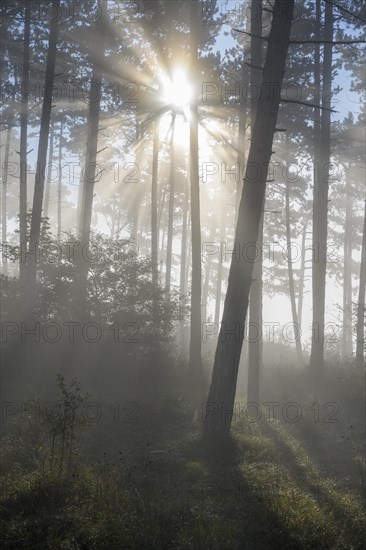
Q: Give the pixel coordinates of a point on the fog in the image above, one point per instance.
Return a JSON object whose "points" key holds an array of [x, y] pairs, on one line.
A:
{"points": [[183, 206]]}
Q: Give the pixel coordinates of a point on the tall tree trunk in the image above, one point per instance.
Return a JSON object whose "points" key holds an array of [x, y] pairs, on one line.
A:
{"points": [[164, 223], [49, 171], [183, 248], [135, 205], [243, 120], [79, 212], [347, 348], [221, 396], [90, 172], [321, 221], [172, 176], [189, 256], [154, 205], [4, 197], [302, 273], [195, 334], [206, 284], [291, 282], [220, 265], [255, 345], [59, 187], [23, 149], [360, 326], [35, 230]]}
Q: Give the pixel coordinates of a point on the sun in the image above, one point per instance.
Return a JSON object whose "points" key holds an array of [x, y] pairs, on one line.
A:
{"points": [[176, 90]]}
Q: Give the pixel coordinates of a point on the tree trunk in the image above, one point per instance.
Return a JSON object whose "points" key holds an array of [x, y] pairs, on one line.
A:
{"points": [[172, 176], [183, 249], [360, 327], [42, 147], [220, 265], [23, 149], [206, 284], [243, 120], [89, 173], [302, 274], [79, 221], [154, 205], [59, 187], [291, 282], [49, 171], [223, 385], [255, 344], [189, 256], [4, 196], [347, 347], [321, 196], [136, 200], [195, 334]]}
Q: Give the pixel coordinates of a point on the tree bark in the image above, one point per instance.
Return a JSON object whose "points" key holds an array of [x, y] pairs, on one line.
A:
{"points": [[347, 347], [172, 176], [195, 332], [183, 249], [4, 197], [291, 282], [59, 187], [243, 120], [49, 171], [221, 396], [23, 148], [360, 327], [255, 345], [154, 205], [220, 264], [136, 201], [35, 230], [206, 284], [302, 274], [321, 188], [89, 174]]}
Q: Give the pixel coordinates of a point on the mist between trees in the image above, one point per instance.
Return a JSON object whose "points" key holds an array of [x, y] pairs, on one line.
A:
{"points": [[183, 248]]}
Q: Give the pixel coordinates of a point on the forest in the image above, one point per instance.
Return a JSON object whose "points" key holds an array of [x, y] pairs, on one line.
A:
{"points": [[183, 274]]}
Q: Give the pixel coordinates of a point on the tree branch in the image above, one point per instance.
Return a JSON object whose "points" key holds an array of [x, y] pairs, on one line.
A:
{"points": [[340, 8], [334, 42], [253, 35], [307, 104]]}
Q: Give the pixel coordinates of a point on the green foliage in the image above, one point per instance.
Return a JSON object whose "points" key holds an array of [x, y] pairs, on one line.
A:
{"points": [[162, 487]]}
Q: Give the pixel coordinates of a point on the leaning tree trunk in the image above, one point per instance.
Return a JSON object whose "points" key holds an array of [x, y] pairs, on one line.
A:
{"points": [[255, 345], [221, 396], [35, 230], [23, 149], [360, 326], [243, 121], [195, 334], [321, 211]]}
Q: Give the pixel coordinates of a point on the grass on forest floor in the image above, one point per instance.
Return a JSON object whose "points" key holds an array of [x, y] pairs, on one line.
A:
{"points": [[259, 489]]}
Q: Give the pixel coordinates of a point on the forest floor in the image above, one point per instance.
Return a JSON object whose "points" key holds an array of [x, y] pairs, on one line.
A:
{"points": [[156, 485]]}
